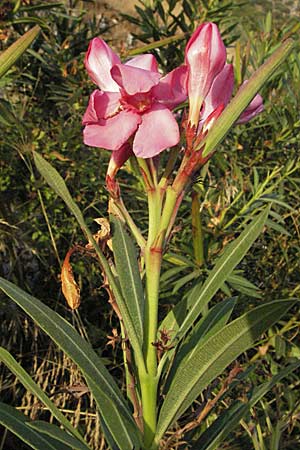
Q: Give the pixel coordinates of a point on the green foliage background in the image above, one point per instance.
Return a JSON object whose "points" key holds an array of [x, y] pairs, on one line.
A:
{"points": [[42, 100]]}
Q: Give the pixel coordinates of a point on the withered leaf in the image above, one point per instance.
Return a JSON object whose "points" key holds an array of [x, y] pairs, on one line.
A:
{"points": [[69, 286]]}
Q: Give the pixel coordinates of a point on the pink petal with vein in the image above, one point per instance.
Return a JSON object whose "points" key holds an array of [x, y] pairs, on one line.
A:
{"points": [[98, 61], [158, 131], [111, 133], [118, 158], [220, 91], [171, 89], [146, 62], [101, 106], [255, 108], [134, 80], [205, 56]]}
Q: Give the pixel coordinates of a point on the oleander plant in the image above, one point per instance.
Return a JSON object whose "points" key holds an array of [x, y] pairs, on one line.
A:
{"points": [[167, 255]]}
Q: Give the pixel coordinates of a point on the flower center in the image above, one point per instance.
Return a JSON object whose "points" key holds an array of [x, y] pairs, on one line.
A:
{"points": [[139, 103]]}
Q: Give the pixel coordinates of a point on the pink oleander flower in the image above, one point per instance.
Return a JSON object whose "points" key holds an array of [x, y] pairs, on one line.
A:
{"points": [[134, 101], [220, 95], [210, 80], [205, 57], [253, 109]]}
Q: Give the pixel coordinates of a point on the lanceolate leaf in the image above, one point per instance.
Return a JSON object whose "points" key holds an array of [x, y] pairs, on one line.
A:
{"points": [[10, 55], [128, 272], [16, 422], [31, 386], [231, 257], [211, 358], [215, 319], [244, 97], [59, 186], [229, 420], [107, 395], [55, 432]]}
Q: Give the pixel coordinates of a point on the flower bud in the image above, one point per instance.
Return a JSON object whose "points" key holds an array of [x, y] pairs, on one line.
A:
{"points": [[118, 158], [205, 56]]}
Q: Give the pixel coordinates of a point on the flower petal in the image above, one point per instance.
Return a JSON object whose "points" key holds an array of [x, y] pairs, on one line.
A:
{"points": [[146, 62], [98, 61], [171, 89], [205, 56], [157, 131], [253, 109], [118, 158], [134, 80], [220, 91], [111, 133], [101, 106]]}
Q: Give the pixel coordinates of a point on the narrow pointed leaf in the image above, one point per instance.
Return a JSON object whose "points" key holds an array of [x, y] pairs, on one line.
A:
{"points": [[210, 359], [215, 319], [12, 53], [242, 99], [229, 419], [31, 386], [57, 433], [106, 393], [16, 422], [231, 257], [128, 272], [59, 186]]}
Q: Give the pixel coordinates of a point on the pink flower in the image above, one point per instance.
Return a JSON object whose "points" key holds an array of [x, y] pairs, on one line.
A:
{"points": [[134, 102], [205, 56], [219, 96], [210, 81], [253, 109]]}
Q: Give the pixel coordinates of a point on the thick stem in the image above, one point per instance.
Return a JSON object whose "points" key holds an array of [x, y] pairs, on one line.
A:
{"points": [[149, 402], [153, 257]]}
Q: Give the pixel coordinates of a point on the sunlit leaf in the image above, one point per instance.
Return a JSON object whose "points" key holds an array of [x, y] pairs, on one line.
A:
{"points": [[211, 358], [105, 391], [12, 53]]}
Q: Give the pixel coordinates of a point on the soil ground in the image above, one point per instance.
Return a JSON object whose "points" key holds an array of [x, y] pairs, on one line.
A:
{"points": [[113, 27]]}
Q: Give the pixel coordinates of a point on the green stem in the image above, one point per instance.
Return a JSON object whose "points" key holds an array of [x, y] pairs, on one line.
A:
{"points": [[154, 205], [171, 198], [149, 402], [169, 168], [153, 257], [197, 230]]}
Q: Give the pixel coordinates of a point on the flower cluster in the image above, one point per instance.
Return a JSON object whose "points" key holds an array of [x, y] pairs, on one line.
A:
{"points": [[131, 112]]}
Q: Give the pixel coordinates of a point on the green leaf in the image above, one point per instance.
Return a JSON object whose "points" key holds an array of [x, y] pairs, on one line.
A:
{"points": [[30, 20], [10, 55], [244, 286], [229, 420], [106, 393], [57, 433], [246, 93], [31, 386], [59, 186], [211, 358], [231, 257], [210, 324], [16, 422], [128, 272]]}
